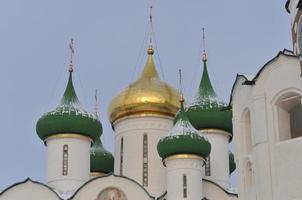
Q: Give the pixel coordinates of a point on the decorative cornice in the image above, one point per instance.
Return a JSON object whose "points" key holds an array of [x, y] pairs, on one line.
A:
{"points": [[216, 131], [96, 174], [31, 181], [68, 136], [114, 175], [144, 114], [183, 156]]}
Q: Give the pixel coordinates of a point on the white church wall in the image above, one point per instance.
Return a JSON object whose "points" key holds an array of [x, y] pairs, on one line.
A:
{"points": [[28, 190], [219, 157], [184, 178], [132, 131], [287, 171], [274, 159], [78, 163], [242, 135], [213, 191], [285, 159], [93, 189]]}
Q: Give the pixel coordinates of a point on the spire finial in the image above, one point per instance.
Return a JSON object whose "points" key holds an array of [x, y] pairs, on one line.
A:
{"points": [[150, 50], [96, 106], [71, 47], [151, 24], [181, 98], [204, 54]]}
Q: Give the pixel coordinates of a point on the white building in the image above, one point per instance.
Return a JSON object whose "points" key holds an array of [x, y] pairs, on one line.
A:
{"points": [[166, 148]]}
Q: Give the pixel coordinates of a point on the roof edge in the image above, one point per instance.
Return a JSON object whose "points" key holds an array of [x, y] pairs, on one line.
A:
{"points": [[29, 180], [108, 175], [287, 6], [227, 192], [251, 82]]}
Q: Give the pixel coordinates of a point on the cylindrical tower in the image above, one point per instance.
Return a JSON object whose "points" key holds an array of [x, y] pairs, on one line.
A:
{"points": [[101, 160], [140, 115], [207, 114], [183, 152], [68, 132]]}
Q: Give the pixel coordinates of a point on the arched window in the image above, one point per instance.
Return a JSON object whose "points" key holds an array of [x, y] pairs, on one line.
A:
{"points": [[65, 160], [289, 114], [145, 160], [248, 133], [121, 156]]}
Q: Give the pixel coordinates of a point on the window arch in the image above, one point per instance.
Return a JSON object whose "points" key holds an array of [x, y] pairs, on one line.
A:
{"points": [[247, 132], [289, 115]]}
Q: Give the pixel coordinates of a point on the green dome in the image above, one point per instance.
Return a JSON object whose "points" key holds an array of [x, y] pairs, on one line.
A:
{"points": [[183, 139], [232, 164], [69, 118], [101, 160], [206, 112]]}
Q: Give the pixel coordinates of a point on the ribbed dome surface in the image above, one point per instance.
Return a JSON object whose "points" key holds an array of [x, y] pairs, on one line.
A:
{"points": [[69, 118], [101, 160], [183, 139], [206, 111]]}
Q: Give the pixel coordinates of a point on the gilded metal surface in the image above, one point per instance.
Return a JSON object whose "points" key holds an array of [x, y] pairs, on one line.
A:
{"points": [[217, 131], [148, 94], [184, 156], [145, 114], [95, 174], [68, 135]]}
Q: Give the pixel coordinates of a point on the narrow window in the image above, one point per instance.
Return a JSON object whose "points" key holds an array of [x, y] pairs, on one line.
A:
{"points": [[184, 182], [208, 166], [145, 160], [65, 160], [247, 133], [122, 156]]}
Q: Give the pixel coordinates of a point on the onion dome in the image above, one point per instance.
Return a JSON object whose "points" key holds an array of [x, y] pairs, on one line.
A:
{"points": [[232, 164], [207, 111], [69, 117], [101, 160], [183, 139], [147, 95]]}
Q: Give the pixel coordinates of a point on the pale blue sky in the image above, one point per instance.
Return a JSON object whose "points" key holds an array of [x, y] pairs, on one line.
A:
{"points": [[109, 35]]}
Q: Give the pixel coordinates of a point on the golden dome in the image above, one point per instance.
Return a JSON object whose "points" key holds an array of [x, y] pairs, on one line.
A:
{"points": [[147, 95]]}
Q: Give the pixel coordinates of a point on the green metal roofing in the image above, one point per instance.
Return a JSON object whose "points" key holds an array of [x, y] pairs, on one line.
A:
{"points": [[69, 118], [101, 160], [183, 139], [232, 164], [206, 111]]}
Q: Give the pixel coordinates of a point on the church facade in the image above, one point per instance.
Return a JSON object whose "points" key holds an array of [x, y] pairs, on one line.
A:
{"points": [[170, 148]]}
